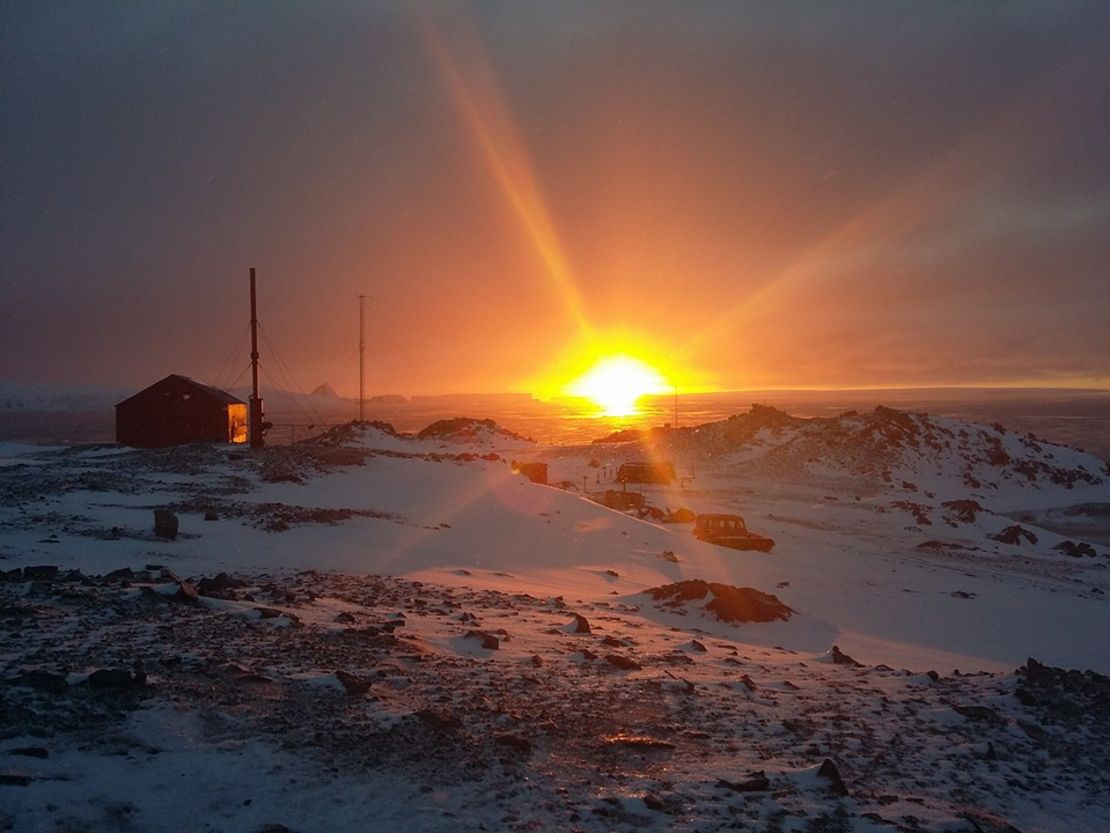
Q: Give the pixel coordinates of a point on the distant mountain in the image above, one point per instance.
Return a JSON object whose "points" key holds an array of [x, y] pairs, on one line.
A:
{"points": [[325, 390], [17, 396]]}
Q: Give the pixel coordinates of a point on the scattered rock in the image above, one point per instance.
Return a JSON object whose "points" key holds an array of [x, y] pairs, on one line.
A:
{"points": [[165, 524], [841, 658], [219, 586], [486, 640], [622, 662], [31, 752], [638, 742], [983, 713], [580, 624], [729, 603], [352, 684], [514, 742], [186, 594], [439, 720], [756, 782], [119, 678], [1076, 549], [1014, 535], [698, 646], [964, 511], [45, 572], [42, 681]]}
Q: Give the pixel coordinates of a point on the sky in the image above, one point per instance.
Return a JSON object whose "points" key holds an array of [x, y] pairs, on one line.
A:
{"points": [[745, 195]]}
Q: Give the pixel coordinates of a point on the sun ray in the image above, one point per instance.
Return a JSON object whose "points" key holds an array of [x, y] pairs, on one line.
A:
{"points": [[476, 95]]}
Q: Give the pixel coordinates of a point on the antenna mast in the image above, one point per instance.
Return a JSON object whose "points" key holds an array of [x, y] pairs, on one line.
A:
{"points": [[255, 425], [361, 360]]}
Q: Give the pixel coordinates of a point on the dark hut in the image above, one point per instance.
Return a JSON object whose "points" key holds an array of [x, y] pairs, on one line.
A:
{"points": [[178, 410]]}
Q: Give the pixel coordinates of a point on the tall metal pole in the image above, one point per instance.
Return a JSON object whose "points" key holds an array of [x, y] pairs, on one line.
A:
{"points": [[255, 423], [361, 354]]}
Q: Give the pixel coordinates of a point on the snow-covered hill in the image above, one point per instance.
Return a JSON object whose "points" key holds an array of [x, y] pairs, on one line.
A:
{"points": [[406, 630], [909, 452]]}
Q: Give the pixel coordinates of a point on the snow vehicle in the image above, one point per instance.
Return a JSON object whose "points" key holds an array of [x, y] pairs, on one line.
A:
{"points": [[730, 531]]}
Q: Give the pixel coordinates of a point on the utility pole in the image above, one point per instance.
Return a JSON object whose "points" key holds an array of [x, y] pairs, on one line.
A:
{"points": [[361, 358], [255, 427], [676, 407]]}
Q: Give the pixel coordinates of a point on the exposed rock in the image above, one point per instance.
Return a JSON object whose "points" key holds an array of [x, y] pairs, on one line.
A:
{"points": [[45, 572], [42, 681], [638, 742], [756, 782], [118, 678], [439, 720], [219, 586], [1015, 535], [165, 524], [983, 713], [486, 640], [831, 774], [31, 752], [622, 662], [964, 511], [186, 594], [514, 742], [841, 658], [352, 684], [729, 603], [580, 624], [466, 429], [1076, 549]]}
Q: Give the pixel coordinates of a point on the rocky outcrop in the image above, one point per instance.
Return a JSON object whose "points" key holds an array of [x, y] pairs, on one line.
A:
{"points": [[725, 602]]}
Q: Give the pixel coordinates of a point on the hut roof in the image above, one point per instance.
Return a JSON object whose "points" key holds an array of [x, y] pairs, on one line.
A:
{"points": [[221, 396]]}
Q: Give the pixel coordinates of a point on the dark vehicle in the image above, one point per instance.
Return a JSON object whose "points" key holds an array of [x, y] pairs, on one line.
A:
{"points": [[730, 531]]}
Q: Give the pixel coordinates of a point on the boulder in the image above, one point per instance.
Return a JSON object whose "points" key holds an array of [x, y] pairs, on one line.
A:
{"points": [[119, 678], [353, 684], [622, 662], [486, 640], [42, 681], [165, 524], [1015, 535], [45, 572], [831, 775]]}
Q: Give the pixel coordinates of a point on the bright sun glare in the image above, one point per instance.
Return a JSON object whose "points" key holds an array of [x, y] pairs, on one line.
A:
{"points": [[616, 383]]}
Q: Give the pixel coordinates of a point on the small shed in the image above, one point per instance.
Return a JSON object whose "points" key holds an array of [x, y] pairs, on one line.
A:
{"points": [[179, 410], [536, 472]]}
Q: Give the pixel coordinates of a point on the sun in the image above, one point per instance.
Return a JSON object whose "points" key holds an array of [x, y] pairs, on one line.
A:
{"points": [[616, 384]]}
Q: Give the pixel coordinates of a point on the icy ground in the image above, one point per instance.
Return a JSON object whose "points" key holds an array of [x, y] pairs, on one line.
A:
{"points": [[396, 642]]}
